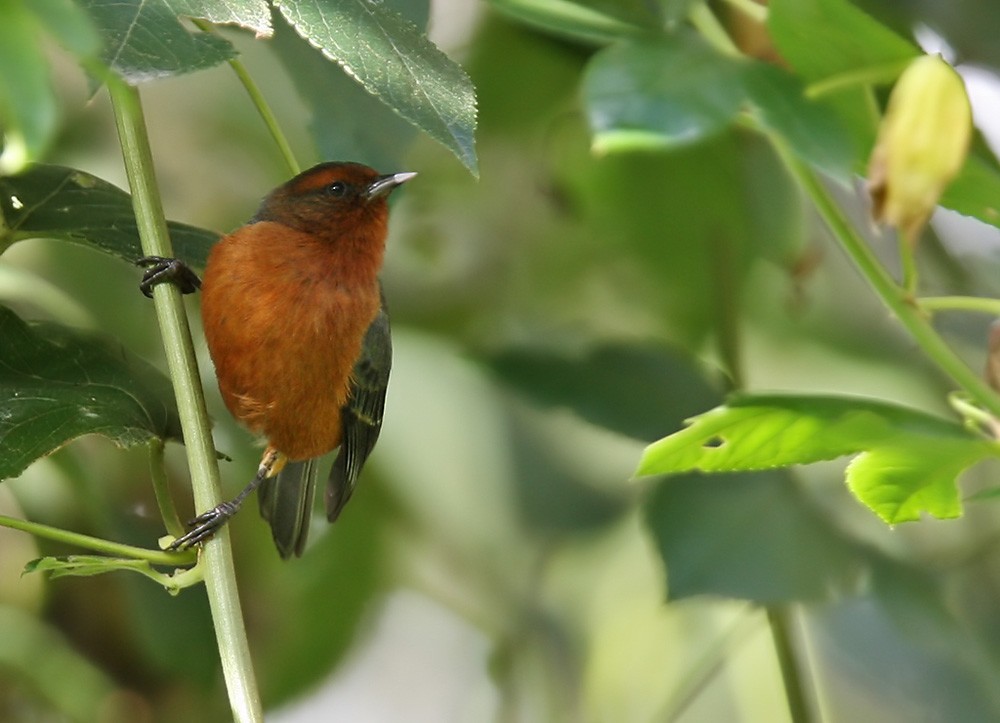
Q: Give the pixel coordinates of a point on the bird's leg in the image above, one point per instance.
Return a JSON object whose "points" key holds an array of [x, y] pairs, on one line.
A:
{"points": [[160, 269], [208, 523]]}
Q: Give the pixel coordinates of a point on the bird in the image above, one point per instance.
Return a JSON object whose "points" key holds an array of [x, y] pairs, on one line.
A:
{"points": [[296, 324]]}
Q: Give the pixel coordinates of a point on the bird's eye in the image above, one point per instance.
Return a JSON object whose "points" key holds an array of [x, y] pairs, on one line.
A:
{"points": [[337, 188]]}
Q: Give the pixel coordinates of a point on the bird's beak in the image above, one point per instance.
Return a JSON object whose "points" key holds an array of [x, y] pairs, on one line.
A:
{"points": [[383, 185]]}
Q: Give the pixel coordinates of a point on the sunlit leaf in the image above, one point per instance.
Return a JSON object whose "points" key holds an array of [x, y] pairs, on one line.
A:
{"points": [[823, 38], [396, 63], [907, 463], [347, 121], [63, 203], [57, 385]]}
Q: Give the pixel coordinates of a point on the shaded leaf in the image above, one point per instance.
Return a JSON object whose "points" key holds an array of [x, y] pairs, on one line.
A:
{"points": [[812, 128], [638, 390], [144, 40], [56, 385], [63, 203], [396, 63], [660, 92], [733, 536], [907, 463]]}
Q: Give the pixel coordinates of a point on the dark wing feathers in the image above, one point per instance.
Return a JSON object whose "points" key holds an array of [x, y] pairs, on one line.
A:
{"points": [[361, 417]]}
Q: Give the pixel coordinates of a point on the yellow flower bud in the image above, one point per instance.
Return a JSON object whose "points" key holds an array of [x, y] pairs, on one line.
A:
{"points": [[921, 144]]}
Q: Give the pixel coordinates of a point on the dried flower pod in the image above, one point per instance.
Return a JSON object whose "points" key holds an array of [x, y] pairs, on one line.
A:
{"points": [[921, 146]]}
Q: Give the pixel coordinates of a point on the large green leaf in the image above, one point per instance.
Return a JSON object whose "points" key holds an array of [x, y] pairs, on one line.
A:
{"points": [[634, 389], [907, 460], [660, 92], [823, 38], [347, 122], [396, 63], [63, 203], [57, 385], [752, 536], [144, 39]]}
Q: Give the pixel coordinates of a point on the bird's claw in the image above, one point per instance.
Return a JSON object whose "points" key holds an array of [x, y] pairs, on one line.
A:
{"points": [[204, 526], [160, 269]]}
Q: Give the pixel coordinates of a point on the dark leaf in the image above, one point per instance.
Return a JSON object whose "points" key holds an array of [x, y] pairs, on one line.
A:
{"points": [[57, 385]]}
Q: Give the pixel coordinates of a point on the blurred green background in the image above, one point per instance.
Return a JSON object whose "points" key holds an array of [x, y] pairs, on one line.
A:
{"points": [[550, 320]]}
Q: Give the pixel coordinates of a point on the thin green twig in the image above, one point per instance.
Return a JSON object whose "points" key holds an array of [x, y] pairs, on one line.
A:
{"points": [[217, 556], [260, 103], [98, 544], [975, 304], [161, 488]]}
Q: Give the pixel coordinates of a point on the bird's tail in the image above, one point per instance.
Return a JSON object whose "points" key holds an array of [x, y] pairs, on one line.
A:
{"points": [[286, 502]]}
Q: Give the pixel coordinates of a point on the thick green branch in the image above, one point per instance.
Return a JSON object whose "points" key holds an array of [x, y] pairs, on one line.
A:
{"points": [[220, 578]]}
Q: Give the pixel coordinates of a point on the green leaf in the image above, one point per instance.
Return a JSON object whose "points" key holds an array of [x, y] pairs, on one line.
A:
{"points": [[63, 203], [732, 536], [27, 101], [660, 92], [396, 63], [90, 565], [57, 385], [975, 191], [568, 19], [907, 463], [811, 127], [144, 40], [638, 390], [68, 24], [823, 38], [347, 121]]}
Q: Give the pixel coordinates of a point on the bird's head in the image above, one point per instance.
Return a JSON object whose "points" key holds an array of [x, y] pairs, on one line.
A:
{"points": [[332, 199]]}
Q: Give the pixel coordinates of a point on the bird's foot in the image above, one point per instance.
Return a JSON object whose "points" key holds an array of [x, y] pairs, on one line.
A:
{"points": [[205, 525], [160, 269]]}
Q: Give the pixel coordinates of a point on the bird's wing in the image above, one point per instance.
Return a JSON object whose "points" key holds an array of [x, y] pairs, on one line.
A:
{"points": [[361, 417], [286, 503]]}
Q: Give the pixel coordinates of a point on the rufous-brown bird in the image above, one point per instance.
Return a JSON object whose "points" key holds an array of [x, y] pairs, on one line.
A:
{"points": [[296, 325]]}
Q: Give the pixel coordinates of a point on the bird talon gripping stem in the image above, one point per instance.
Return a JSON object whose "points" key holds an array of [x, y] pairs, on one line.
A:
{"points": [[297, 328], [160, 269]]}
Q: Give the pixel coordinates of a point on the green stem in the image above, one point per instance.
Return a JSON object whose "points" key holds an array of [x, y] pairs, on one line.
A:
{"points": [[116, 549], [704, 20], [960, 303], [895, 298], [260, 103], [217, 556], [799, 709], [161, 488], [872, 75]]}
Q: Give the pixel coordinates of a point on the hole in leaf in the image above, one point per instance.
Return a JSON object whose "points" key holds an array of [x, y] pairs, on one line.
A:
{"points": [[714, 442]]}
